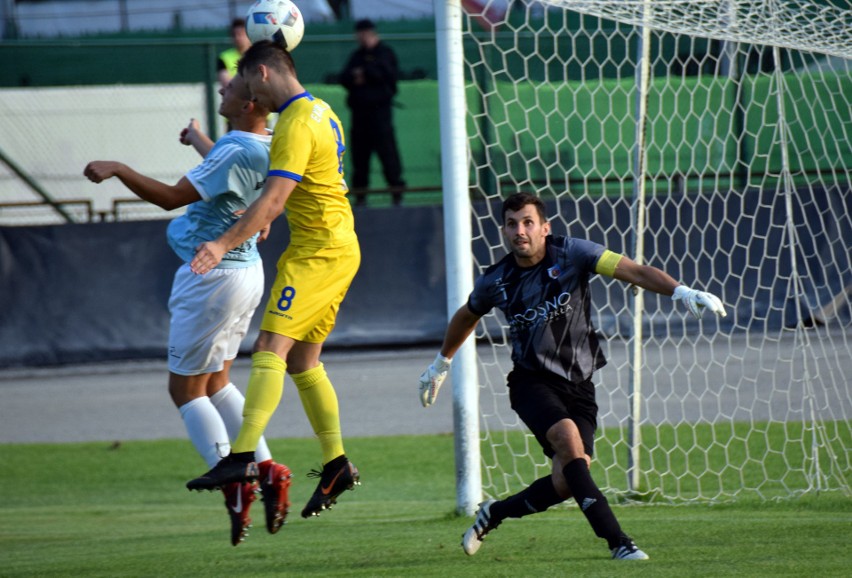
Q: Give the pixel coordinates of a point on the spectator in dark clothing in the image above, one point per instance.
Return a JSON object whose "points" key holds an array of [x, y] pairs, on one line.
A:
{"points": [[370, 78]]}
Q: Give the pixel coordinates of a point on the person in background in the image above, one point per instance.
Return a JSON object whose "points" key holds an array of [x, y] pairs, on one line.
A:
{"points": [[370, 78], [227, 64]]}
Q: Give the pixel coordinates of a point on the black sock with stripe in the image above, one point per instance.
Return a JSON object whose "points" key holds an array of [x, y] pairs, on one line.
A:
{"points": [[537, 497], [592, 502]]}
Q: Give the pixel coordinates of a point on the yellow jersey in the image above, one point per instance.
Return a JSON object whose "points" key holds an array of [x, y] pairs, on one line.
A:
{"points": [[307, 147]]}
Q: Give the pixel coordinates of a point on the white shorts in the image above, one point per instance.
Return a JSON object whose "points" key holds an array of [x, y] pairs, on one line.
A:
{"points": [[210, 315]]}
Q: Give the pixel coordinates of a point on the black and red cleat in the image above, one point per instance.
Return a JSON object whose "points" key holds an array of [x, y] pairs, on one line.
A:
{"points": [[275, 488], [238, 499]]}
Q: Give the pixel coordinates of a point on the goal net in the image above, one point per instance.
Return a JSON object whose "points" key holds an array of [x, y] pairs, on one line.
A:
{"points": [[711, 139]]}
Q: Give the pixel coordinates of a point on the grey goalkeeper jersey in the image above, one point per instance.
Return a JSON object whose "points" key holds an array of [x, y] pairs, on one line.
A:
{"points": [[547, 308]]}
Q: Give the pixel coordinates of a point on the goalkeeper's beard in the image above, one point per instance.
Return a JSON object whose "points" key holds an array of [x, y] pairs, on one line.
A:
{"points": [[522, 247]]}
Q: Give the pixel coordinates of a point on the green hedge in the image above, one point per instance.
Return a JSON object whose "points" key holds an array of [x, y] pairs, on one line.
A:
{"points": [[587, 129]]}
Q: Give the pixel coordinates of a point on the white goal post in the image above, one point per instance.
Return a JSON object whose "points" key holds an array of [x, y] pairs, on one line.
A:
{"points": [[457, 235], [712, 139]]}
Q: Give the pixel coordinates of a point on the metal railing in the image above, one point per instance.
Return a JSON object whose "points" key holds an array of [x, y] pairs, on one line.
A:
{"points": [[49, 212], [133, 208]]}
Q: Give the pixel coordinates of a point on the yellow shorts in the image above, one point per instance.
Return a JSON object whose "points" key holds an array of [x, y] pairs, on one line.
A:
{"points": [[310, 285]]}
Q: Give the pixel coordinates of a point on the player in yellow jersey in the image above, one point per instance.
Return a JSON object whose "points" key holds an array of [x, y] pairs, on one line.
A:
{"points": [[314, 272]]}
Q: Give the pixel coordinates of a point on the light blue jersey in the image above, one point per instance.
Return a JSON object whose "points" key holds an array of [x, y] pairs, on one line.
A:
{"points": [[229, 179]]}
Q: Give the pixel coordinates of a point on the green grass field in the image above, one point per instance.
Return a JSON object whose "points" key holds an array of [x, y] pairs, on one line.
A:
{"points": [[699, 462], [101, 509]]}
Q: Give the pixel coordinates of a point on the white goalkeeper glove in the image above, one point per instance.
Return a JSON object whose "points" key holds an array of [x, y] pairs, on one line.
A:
{"points": [[696, 301], [433, 378]]}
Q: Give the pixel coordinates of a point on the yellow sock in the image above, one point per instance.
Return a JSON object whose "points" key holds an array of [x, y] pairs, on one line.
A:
{"points": [[320, 402], [263, 394]]}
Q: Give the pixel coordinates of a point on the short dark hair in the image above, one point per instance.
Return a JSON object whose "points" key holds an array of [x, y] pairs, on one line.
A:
{"points": [[365, 24], [518, 201], [269, 53], [238, 23]]}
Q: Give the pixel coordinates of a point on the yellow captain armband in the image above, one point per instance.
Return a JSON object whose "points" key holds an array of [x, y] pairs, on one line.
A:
{"points": [[607, 263]]}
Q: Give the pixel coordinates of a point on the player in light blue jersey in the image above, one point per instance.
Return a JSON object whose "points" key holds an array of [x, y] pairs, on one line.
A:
{"points": [[202, 346], [228, 180]]}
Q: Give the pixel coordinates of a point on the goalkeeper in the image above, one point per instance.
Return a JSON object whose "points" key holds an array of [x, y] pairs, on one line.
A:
{"points": [[542, 288]]}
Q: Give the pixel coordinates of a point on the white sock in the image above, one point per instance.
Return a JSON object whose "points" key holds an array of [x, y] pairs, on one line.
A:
{"points": [[229, 402], [206, 429]]}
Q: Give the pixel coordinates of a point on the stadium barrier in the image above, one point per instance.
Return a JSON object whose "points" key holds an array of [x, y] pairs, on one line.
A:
{"points": [[99, 291]]}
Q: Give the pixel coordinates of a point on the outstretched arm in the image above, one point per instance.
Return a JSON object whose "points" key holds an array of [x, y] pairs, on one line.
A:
{"points": [[459, 329], [259, 215], [658, 281], [158, 193], [644, 276]]}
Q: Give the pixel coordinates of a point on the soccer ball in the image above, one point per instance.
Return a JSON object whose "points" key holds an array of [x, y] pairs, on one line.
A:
{"points": [[277, 20]]}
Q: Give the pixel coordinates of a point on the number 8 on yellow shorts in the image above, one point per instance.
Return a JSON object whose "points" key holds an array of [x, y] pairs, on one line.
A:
{"points": [[308, 289]]}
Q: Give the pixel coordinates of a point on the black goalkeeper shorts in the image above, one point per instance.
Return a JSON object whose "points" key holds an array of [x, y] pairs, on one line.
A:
{"points": [[543, 399]]}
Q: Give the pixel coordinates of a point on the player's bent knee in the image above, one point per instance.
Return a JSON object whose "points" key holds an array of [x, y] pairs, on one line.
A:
{"points": [[185, 388], [565, 438]]}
